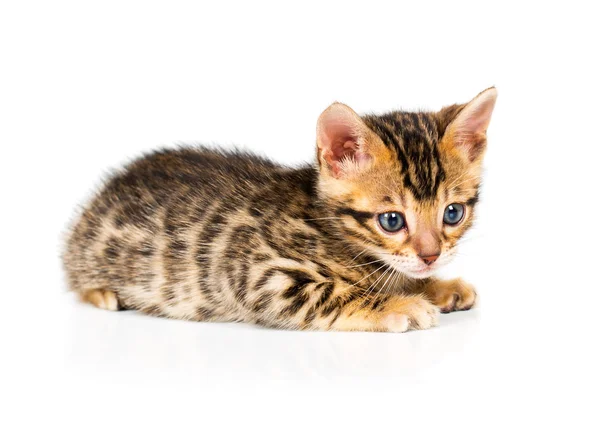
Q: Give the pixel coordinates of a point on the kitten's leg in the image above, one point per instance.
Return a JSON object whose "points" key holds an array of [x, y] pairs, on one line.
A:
{"points": [[450, 295], [303, 303], [102, 298], [386, 313]]}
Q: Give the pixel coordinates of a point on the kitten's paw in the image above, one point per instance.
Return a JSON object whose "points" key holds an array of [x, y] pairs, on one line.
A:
{"points": [[411, 313], [101, 298], [453, 295]]}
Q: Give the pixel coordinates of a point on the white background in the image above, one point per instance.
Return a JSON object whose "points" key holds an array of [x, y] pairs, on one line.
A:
{"points": [[85, 86]]}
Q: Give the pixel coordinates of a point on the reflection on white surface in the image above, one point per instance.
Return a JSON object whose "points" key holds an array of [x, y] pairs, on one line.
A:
{"points": [[134, 344]]}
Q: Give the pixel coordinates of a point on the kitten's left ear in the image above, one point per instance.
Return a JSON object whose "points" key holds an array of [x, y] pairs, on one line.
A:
{"points": [[344, 142], [467, 132]]}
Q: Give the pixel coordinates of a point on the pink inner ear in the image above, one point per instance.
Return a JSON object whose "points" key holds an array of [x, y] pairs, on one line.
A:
{"points": [[479, 119], [472, 123], [339, 143], [344, 147], [340, 137]]}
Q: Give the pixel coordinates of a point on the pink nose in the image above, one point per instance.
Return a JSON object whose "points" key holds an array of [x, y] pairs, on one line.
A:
{"points": [[430, 259]]}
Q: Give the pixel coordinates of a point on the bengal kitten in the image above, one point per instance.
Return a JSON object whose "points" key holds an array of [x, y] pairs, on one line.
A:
{"points": [[350, 243]]}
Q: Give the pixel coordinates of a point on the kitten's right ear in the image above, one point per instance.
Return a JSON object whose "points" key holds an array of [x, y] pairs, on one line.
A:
{"points": [[342, 141], [466, 132]]}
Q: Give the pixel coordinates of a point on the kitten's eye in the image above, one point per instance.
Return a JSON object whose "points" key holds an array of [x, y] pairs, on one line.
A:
{"points": [[391, 221], [454, 213]]}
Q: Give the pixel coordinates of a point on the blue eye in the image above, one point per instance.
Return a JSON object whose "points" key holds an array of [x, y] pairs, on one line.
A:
{"points": [[454, 213], [391, 221]]}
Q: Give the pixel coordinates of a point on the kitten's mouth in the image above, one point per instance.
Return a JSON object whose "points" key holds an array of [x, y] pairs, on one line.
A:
{"points": [[415, 271], [420, 273]]}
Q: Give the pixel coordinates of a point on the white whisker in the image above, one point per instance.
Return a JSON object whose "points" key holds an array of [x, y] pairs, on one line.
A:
{"points": [[373, 285], [356, 283], [367, 263]]}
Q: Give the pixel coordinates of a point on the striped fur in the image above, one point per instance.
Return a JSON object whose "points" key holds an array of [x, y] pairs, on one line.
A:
{"points": [[210, 235]]}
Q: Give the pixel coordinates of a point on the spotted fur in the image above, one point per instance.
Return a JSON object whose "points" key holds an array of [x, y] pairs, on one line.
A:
{"points": [[212, 235]]}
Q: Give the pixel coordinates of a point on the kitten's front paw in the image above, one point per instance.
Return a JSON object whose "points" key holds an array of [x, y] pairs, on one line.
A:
{"points": [[453, 295], [411, 313]]}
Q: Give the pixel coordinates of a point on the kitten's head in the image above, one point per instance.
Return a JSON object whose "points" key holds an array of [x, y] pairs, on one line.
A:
{"points": [[404, 184]]}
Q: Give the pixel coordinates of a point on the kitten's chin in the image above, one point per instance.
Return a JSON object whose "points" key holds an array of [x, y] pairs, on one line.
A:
{"points": [[412, 268], [419, 274], [423, 273]]}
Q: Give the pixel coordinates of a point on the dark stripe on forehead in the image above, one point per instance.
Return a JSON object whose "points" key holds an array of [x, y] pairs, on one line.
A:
{"points": [[415, 121], [414, 139], [428, 125], [386, 133]]}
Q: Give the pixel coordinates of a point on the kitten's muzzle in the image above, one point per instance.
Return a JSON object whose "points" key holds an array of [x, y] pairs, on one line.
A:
{"points": [[429, 259]]}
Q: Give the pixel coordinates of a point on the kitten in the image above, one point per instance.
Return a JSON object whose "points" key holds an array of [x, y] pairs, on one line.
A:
{"points": [[350, 243]]}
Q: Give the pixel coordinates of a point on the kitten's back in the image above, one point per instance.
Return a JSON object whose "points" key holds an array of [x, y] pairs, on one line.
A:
{"points": [[153, 220]]}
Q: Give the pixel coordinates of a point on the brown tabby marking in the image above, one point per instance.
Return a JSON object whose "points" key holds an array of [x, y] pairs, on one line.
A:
{"points": [[209, 235]]}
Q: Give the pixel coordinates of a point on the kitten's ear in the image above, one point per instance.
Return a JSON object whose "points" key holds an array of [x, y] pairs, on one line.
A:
{"points": [[467, 131], [342, 140]]}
